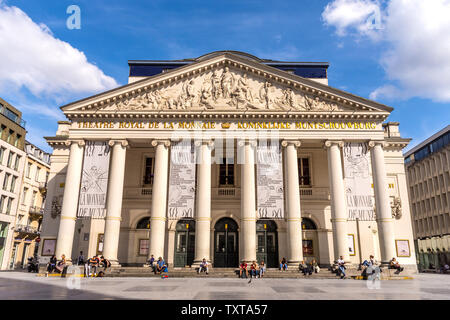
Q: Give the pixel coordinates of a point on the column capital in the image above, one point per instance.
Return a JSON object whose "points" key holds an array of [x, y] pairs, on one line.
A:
{"points": [[374, 143], [329, 143], [209, 142], [123, 142], [251, 142], [156, 142], [296, 143], [80, 142]]}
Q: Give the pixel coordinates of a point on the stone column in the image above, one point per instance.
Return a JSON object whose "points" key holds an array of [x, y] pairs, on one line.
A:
{"points": [[248, 200], [114, 200], [159, 198], [203, 202], [338, 204], [70, 200], [294, 220], [383, 208]]}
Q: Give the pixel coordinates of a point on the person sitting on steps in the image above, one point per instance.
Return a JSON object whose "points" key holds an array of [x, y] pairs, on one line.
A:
{"points": [[161, 266], [395, 265], [262, 269], [243, 269], [341, 267], [203, 266], [283, 264], [304, 268], [314, 266]]}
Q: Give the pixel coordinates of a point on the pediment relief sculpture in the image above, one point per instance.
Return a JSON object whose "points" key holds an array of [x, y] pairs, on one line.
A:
{"points": [[223, 89]]}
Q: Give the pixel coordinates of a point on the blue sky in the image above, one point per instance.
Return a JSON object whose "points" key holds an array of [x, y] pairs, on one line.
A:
{"points": [[366, 61]]}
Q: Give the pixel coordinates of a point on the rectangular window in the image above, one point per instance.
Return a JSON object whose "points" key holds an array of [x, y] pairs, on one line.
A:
{"points": [[10, 159], [13, 183], [6, 181], [148, 171], [8, 206], [16, 163], [3, 132], [226, 170], [28, 171], [10, 136], [24, 195], [33, 199], [304, 175], [36, 177], [2, 203], [16, 143], [2, 153]]}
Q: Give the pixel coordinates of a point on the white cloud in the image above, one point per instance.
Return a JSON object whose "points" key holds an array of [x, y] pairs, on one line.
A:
{"points": [[33, 58], [360, 15], [417, 34]]}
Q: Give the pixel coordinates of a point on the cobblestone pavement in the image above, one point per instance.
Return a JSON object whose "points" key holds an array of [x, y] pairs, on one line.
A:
{"points": [[18, 285]]}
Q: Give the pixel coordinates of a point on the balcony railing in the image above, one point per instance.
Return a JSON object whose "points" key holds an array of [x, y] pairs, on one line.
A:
{"points": [[136, 193], [226, 193], [36, 210], [26, 229], [314, 193], [12, 116], [230, 193]]}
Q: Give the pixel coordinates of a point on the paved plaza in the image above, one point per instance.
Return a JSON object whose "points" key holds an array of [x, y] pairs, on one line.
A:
{"points": [[17, 285]]}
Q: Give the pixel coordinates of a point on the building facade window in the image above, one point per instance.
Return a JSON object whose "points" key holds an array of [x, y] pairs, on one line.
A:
{"points": [[33, 199], [226, 172], [10, 159], [10, 136], [24, 195], [2, 203], [13, 184], [28, 171], [148, 170], [304, 174], [6, 181], [17, 141], [8, 206], [2, 153], [16, 163], [36, 177]]}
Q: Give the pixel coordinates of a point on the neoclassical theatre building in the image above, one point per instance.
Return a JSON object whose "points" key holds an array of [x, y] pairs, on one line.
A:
{"points": [[227, 157]]}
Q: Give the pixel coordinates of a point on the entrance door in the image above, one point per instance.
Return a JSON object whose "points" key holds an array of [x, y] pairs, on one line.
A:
{"points": [[267, 243], [184, 243], [226, 252]]}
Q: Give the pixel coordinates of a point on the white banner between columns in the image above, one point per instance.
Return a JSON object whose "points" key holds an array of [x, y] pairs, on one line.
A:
{"points": [[270, 188], [182, 180], [358, 182], [94, 180]]}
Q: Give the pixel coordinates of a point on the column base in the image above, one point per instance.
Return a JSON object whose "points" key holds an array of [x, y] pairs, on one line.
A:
{"points": [[115, 263], [293, 263]]}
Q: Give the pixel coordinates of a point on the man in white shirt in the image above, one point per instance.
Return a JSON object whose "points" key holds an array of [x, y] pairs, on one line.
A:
{"points": [[341, 266], [203, 266]]}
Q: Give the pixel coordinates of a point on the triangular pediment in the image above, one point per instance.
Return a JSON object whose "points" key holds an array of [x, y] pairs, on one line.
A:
{"points": [[225, 83]]}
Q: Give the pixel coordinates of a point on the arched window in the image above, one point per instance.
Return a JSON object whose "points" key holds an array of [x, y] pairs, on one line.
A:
{"points": [[144, 223], [308, 224]]}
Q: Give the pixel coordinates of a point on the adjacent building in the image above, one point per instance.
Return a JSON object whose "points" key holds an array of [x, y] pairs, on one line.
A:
{"points": [[31, 206], [12, 163], [428, 167], [228, 157]]}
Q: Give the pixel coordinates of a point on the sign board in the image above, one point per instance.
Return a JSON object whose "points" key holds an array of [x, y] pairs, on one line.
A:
{"points": [[94, 180], [358, 182], [182, 180], [270, 188]]}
